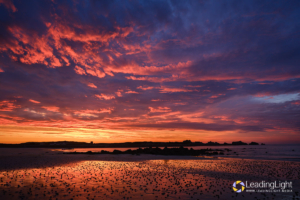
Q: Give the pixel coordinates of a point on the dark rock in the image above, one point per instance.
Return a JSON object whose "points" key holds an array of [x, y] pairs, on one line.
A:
{"points": [[239, 143], [253, 143]]}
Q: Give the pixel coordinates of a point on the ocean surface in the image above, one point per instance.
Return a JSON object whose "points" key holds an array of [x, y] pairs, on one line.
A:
{"points": [[260, 152]]}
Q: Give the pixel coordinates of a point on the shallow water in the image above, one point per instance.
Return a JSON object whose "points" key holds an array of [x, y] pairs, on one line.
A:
{"points": [[154, 179], [262, 152]]}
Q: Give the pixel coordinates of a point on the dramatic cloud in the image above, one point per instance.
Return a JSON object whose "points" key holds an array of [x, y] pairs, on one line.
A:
{"points": [[34, 101], [105, 96], [159, 70], [51, 108], [92, 85], [8, 106]]}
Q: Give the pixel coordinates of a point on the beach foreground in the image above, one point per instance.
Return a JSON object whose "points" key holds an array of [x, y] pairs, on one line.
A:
{"points": [[45, 174]]}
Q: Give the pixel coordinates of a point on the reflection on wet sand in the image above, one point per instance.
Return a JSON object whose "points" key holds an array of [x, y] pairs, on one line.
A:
{"points": [[152, 179]]}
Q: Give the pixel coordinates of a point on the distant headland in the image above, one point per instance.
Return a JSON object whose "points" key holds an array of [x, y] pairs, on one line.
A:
{"points": [[71, 144]]}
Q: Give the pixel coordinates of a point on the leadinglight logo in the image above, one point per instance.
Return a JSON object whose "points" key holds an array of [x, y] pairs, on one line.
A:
{"points": [[238, 186], [262, 186]]}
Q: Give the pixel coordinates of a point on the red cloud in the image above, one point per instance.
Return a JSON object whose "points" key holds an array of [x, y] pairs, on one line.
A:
{"points": [[145, 88], [231, 89], [79, 70], [9, 5], [9, 120], [94, 71], [238, 78], [118, 93], [105, 96], [92, 85], [92, 113], [164, 89], [131, 92], [34, 101], [160, 109], [39, 49], [51, 108], [133, 68], [8, 106]]}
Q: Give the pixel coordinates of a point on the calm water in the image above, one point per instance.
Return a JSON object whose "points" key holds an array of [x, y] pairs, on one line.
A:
{"points": [[266, 152]]}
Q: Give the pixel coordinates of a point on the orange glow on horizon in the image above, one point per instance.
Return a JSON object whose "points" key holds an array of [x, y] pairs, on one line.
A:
{"points": [[22, 134]]}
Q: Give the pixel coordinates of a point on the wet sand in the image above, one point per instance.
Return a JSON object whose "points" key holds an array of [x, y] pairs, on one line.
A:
{"points": [[44, 174], [14, 158]]}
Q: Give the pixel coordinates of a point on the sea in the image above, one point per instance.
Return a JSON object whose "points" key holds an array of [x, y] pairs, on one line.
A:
{"points": [[259, 152]]}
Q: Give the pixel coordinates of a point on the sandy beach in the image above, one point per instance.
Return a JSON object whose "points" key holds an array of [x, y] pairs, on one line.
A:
{"points": [[46, 174]]}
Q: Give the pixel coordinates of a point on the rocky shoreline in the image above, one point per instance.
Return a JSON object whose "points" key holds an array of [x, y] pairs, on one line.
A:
{"points": [[181, 151]]}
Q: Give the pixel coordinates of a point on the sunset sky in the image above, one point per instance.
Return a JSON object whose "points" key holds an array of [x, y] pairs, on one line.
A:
{"points": [[120, 71]]}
